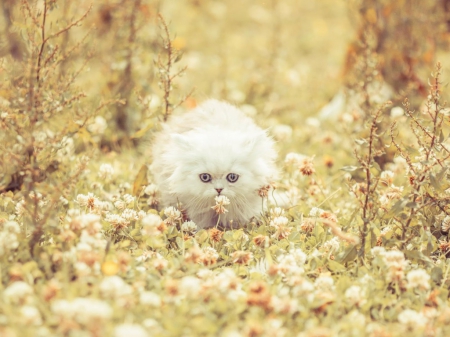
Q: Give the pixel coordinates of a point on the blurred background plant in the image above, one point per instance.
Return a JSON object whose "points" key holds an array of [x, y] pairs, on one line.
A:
{"points": [[355, 239]]}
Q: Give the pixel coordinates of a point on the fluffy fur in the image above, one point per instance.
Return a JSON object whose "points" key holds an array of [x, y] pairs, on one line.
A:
{"points": [[218, 139]]}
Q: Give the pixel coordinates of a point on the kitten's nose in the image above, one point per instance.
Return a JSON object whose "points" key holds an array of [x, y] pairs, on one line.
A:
{"points": [[219, 190]]}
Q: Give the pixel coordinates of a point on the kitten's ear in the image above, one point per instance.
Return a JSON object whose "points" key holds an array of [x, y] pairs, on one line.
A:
{"points": [[181, 141]]}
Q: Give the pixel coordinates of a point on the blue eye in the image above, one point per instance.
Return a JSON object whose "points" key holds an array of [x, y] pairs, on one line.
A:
{"points": [[232, 177], [205, 177]]}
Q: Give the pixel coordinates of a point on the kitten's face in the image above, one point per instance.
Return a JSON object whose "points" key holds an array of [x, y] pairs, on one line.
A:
{"points": [[219, 164]]}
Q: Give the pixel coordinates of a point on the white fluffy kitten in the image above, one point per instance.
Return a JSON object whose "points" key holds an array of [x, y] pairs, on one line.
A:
{"points": [[213, 150]]}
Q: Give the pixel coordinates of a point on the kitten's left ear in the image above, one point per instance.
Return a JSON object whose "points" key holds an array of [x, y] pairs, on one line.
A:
{"points": [[181, 141]]}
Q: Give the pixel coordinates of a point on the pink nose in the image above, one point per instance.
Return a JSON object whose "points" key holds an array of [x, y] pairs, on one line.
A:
{"points": [[219, 190]]}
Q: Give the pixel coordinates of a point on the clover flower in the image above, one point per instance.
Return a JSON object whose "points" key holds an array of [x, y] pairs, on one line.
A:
{"points": [[275, 212], [106, 172], [387, 177], [131, 330], [150, 298], [173, 215], [91, 202], [9, 237], [20, 208], [412, 319], [116, 220], [293, 158], [306, 167], [260, 240], [189, 226], [355, 295], [315, 212], [210, 256], [282, 229], [324, 282], [215, 234], [130, 215], [445, 226], [114, 287], [82, 310], [418, 278], [263, 192], [396, 263], [241, 257], [152, 225], [128, 198], [221, 202], [30, 315], [17, 292], [331, 245]]}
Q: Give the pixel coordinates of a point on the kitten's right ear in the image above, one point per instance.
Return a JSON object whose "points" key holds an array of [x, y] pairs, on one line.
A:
{"points": [[181, 141]]}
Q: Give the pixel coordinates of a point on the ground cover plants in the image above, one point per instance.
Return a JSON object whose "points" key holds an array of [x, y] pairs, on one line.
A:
{"points": [[353, 239]]}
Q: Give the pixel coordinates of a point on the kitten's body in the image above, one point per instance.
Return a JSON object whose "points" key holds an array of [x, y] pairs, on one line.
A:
{"points": [[218, 139]]}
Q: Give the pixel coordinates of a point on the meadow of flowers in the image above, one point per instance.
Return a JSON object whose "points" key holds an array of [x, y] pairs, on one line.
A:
{"points": [[353, 237]]}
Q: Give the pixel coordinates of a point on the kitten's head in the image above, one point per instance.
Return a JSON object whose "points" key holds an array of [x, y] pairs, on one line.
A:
{"points": [[217, 162]]}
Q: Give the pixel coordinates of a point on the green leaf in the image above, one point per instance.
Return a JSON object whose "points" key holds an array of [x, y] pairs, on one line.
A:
{"points": [[140, 133], [347, 255], [141, 180], [335, 266], [350, 168], [436, 274]]}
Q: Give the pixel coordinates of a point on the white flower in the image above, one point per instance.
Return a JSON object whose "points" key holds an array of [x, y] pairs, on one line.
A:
{"points": [[130, 214], [279, 221], [17, 292], [332, 245], [83, 310], [221, 202], [395, 262], [150, 224], [315, 212], [378, 251], [282, 132], [106, 172], [394, 258], [296, 257], [8, 237], [189, 226], [116, 220], [397, 112], [90, 221], [12, 227], [387, 177], [172, 215], [150, 298], [31, 315], [293, 158], [357, 318], [355, 295], [130, 330], [114, 287], [99, 126], [91, 202], [276, 212], [120, 204], [20, 208], [324, 282], [445, 226], [190, 286], [418, 278], [128, 198], [412, 319]]}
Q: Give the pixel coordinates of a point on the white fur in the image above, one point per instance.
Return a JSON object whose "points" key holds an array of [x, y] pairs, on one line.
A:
{"points": [[215, 138]]}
